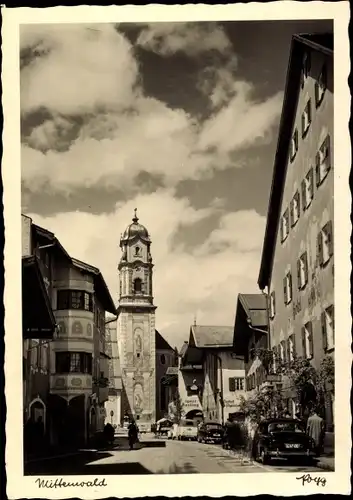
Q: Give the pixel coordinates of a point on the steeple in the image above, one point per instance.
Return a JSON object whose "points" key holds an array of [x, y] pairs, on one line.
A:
{"points": [[135, 219]]}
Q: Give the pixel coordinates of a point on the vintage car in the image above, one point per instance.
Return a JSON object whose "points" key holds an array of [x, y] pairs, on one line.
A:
{"points": [[186, 430], [210, 432], [282, 438]]}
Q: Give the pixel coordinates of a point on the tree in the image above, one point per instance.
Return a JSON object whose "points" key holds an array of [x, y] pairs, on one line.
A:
{"points": [[264, 403]]}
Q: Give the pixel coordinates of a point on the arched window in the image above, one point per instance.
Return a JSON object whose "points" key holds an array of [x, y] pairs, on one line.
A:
{"points": [[137, 250], [137, 285]]}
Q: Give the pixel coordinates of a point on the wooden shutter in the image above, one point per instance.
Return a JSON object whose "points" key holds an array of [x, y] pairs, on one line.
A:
{"points": [[291, 206], [320, 249], [274, 302], [231, 384], [297, 195], [290, 285], [309, 110], [304, 201], [294, 346], [287, 345], [281, 229], [328, 230], [317, 169], [285, 290], [299, 275], [306, 267], [323, 330], [304, 343], [311, 340]]}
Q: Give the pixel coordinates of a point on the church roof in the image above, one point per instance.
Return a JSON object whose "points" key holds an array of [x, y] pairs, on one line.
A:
{"points": [[135, 230], [213, 336], [161, 343]]}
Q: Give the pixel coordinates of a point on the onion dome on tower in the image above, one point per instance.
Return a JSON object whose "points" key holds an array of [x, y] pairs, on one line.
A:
{"points": [[135, 230]]}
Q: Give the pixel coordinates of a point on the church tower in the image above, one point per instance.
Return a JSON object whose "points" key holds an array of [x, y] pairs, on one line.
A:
{"points": [[136, 325]]}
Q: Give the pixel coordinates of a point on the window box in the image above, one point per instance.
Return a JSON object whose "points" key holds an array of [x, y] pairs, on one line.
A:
{"points": [[323, 161], [328, 328]]}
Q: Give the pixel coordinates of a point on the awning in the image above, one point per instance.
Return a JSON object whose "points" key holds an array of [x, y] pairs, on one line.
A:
{"points": [[38, 321]]}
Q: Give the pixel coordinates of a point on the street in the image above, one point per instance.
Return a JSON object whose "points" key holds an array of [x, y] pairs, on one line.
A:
{"points": [[155, 456]]}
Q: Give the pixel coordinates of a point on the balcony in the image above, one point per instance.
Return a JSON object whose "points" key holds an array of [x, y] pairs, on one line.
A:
{"points": [[70, 383]]}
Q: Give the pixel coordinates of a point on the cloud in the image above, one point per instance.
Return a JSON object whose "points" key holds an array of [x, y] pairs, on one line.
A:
{"points": [[101, 129], [186, 283], [191, 38], [77, 68]]}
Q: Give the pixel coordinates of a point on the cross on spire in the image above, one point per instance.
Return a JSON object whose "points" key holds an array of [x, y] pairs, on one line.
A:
{"points": [[135, 218]]}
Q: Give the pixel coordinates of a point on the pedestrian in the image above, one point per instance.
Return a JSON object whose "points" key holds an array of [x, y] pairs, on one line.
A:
{"points": [[227, 436], [132, 434], [316, 430], [109, 432]]}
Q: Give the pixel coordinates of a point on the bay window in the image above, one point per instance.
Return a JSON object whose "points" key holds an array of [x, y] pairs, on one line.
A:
{"points": [[73, 362], [74, 299]]}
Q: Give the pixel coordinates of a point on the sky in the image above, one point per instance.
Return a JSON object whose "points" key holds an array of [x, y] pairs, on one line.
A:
{"points": [[178, 120]]}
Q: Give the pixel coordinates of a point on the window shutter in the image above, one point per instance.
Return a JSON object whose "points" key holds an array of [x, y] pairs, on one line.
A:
{"points": [[319, 249], [330, 237], [274, 302], [303, 124], [303, 343], [309, 110], [323, 329], [231, 384], [328, 146], [317, 170], [294, 346], [311, 340], [285, 290], [290, 285], [288, 348], [298, 200], [291, 212], [306, 268], [299, 275], [304, 201], [282, 229]]}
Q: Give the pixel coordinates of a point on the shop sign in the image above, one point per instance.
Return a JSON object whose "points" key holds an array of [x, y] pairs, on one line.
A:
{"points": [[193, 402]]}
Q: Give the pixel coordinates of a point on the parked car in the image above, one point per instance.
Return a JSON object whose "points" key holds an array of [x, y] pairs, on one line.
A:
{"points": [[282, 438], [187, 429], [164, 428], [210, 432]]}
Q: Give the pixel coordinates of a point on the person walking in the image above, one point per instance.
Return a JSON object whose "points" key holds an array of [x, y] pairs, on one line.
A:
{"points": [[315, 428], [132, 434]]}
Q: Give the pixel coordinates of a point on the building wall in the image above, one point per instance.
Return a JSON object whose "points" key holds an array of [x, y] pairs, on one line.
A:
{"points": [[307, 304], [163, 392], [189, 400], [231, 368]]}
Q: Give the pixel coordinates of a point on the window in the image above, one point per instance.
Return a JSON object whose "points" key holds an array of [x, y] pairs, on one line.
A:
{"points": [[287, 288], [272, 305], [137, 285], [283, 352], [302, 268], [306, 118], [291, 347], [294, 145], [328, 328], [320, 87], [285, 225], [308, 189], [323, 161], [162, 359], [74, 299], [295, 209], [305, 68], [236, 384], [73, 362], [137, 250], [307, 341], [325, 244]]}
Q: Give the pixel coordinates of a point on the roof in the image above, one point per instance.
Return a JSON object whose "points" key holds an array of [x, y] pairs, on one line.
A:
{"points": [[134, 230], [161, 343], [99, 282], [318, 42], [100, 285], [255, 306], [212, 336]]}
